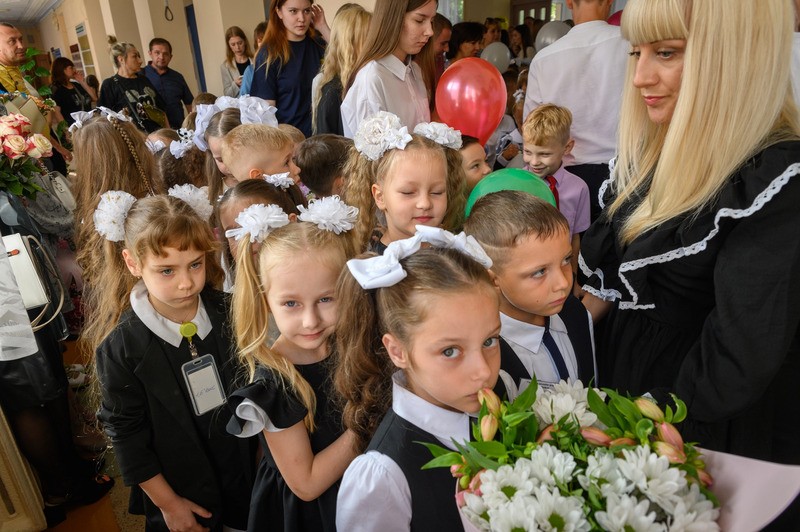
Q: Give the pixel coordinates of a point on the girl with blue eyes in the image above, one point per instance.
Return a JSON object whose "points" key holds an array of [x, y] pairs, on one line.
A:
{"points": [[417, 338], [161, 316], [288, 403]]}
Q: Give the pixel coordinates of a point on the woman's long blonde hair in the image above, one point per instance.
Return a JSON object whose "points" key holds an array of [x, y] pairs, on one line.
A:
{"points": [[348, 32], [251, 309], [735, 99]]}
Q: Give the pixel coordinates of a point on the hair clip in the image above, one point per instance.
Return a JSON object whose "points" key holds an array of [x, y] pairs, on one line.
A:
{"points": [[258, 221], [440, 134], [196, 198], [380, 133], [178, 148], [329, 214], [385, 270], [155, 146], [282, 181], [109, 217]]}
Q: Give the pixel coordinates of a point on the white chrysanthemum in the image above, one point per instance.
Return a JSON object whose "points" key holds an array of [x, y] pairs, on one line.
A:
{"points": [[602, 471], [279, 180], [505, 484], [474, 508], [565, 398], [258, 221], [440, 134], [652, 475], [380, 133], [517, 514], [694, 513], [329, 214], [109, 218], [624, 513], [556, 512], [548, 465], [197, 198]]}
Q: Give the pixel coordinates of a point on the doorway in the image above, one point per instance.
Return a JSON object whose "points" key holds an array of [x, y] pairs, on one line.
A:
{"points": [[526, 8]]}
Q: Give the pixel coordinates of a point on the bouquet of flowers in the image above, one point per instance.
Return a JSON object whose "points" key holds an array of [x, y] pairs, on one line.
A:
{"points": [[21, 150], [572, 458]]}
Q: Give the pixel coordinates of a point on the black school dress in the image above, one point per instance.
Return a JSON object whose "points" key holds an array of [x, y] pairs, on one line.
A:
{"points": [[273, 505], [708, 307]]}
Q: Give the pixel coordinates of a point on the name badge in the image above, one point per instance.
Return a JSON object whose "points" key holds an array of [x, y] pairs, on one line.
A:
{"points": [[205, 387]]}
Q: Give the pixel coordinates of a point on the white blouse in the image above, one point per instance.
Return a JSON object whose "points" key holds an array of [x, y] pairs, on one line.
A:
{"points": [[386, 84], [374, 481]]}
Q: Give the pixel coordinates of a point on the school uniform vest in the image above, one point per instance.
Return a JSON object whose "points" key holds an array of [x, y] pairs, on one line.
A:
{"points": [[578, 325], [433, 505]]}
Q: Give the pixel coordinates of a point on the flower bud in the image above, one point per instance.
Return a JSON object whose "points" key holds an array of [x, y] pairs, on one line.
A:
{"points": [[457, 470], [545, 434], [487, 395], [670, 452], [649, 409], [475, 483], [622, 441], [595, 436], [668, 433], [488, 427], [705, 478], [463, 482], [460, 498]]}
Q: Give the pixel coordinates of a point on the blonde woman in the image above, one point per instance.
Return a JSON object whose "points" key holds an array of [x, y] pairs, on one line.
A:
{"points": [[238, 56], [697, 246], [348, 31]]}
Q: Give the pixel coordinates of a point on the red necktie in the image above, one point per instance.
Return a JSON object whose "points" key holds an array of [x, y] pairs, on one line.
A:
{"points": [[552, 182]]}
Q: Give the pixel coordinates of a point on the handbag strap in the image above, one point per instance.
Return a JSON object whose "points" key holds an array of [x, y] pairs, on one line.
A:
{"points": [[52, 270]]}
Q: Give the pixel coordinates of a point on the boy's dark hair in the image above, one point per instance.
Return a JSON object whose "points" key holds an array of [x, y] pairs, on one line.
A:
{"points": [[321, 160], [467, 141], [155, 41], [498, 220], [204, 98]]}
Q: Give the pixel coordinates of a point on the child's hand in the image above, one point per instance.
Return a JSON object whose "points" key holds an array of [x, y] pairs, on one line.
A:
{"points": [[179, 516]]}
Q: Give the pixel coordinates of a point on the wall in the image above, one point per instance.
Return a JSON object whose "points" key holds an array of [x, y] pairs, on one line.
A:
{"points": [[480, 10]]}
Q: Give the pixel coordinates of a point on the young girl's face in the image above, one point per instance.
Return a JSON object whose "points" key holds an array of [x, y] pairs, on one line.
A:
{"points": [[414, 192], [301, 299], [417, 30], [173, 280], [215, 147], [473, 160], [455, 352], [296, 17]]}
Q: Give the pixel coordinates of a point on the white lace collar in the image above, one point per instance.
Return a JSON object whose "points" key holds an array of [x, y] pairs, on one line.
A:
{"points": [[166, 329]]}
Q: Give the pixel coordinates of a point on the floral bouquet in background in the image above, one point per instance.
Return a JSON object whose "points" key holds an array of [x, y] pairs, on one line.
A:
{"points": [[573, 458], [21, 151]]}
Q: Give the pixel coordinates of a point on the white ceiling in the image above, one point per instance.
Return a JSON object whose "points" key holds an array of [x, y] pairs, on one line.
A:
{"points": [[25, 12]]}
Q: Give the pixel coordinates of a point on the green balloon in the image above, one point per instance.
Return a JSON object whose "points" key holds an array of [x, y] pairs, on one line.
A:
{"points": [[510, 179]]}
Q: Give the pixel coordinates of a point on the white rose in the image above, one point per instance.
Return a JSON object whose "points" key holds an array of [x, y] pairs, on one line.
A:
{"points": [[14, 146], [38, 146]]}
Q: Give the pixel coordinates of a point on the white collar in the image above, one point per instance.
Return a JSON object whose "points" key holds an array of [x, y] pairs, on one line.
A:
{"points": [[167, 330], [446, 425], [525, 334], [395, 66]]}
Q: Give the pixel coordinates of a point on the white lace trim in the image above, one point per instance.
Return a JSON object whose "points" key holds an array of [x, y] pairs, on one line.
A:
{"points": [[760, 200], [605, 184], [606, 294]]}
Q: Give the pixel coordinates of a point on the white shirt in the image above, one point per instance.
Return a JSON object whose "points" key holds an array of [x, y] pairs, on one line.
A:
{"points": [[374, 494], [167, 330], [796, 67], [386, 84], [583, 71], [526, 341]]}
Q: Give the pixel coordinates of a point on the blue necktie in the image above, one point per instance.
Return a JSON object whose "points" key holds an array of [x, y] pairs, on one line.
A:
{"points": [[555, 354]]}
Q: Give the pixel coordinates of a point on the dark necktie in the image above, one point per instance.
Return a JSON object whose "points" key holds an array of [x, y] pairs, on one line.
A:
{"points": [[552, 182], [550, 343]]}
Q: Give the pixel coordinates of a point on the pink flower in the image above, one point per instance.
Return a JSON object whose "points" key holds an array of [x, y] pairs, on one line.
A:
{"points": [[38, 146], [7, 129], [705, 478], [668, 433], [14, 146], [488, 427], [545, 434], [595, 436], [622, 441], [460, 498], [20, 123], [649, 409], [487, 395], [674, 455]]}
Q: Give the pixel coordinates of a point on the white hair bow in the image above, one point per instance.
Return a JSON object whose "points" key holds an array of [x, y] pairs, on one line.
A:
{"points": [[386, 270], [178, 148], [279, 180], [258, 221], [155, 146], [109, 217], [380, 133], [329, 214], [196, 198], [201, 120], [80, 117], [440, 134]]}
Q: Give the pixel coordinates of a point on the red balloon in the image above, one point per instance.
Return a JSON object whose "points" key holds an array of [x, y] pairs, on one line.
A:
{"points": [[471, 97]]}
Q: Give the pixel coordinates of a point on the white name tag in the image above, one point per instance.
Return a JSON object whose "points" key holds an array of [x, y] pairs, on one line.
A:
{"points": [[205, 387]]}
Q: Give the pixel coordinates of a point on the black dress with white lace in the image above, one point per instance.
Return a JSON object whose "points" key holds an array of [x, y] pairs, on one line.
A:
{"points": [[708, 306]]}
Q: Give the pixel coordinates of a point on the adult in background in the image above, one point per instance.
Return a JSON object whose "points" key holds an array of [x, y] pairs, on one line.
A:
{"points": [[247, 77], [289, 58], [395, 71], [238, 56], [492, 32], [169, 83], [697, 247], [465, 41], [348, 32], [442, 31], [70, 91], [521, 43], [593, 53], [127, 90]]}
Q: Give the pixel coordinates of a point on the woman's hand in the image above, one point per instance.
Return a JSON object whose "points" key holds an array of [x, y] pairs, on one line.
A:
{"points": [[320, 24], [238, 81], [79, 77], [179, 515]]}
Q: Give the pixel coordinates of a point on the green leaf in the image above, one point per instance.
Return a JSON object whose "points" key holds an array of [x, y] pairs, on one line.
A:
{"points": [[598, 406], [475, 460], [15, 188], [644, 427], [680, 409], [515, 419], [668, 414], [41, 72], [526, 398], [493, 449], [27, 66], [436, 450], [624, 406], [446, 460], [31, 52]]}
